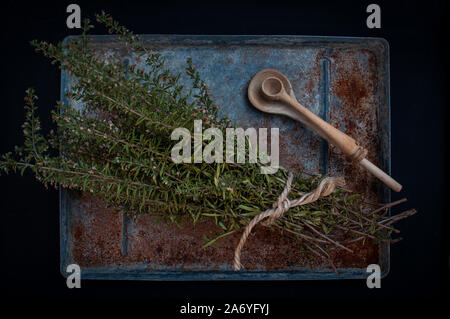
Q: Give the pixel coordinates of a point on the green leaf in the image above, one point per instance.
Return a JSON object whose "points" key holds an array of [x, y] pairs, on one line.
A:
{"points": [[248, 208], [212, 241], [216, 177]]}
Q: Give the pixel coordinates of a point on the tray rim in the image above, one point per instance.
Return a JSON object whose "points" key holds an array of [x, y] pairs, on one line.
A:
{"points": [[105, 273]]}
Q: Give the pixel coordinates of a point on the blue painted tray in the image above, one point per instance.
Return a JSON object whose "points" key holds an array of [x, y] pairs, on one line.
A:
{"points": [[344, 80]]}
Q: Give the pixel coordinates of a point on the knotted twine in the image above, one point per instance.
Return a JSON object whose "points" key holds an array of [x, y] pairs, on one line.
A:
{"points": [[282, 205]]}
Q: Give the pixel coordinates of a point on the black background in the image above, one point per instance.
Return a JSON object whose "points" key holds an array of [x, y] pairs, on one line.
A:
{"points": [[419, 61]]}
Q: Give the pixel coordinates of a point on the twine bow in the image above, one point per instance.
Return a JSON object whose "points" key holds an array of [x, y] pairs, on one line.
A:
{"points": [[282, 205]]}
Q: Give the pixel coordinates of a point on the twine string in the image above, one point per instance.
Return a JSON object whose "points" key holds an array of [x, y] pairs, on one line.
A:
{"points": [[282, 205]]}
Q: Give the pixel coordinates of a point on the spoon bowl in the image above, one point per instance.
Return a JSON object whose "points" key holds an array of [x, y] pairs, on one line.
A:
{"points": [[264, 93], [272, 88]]}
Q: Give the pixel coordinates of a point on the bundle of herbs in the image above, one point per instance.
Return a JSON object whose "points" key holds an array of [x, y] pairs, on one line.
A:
{"points": [[118, 147]]}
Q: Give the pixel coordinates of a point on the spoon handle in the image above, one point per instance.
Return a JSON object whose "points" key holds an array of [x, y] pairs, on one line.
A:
{"points": [[341, 140], [382, 176], [330, 133]]}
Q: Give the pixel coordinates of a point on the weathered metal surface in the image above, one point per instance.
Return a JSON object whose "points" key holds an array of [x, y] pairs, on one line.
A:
{"points": [[343, 80]]}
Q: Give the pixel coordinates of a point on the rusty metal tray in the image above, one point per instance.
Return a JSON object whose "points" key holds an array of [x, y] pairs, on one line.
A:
{"points": [[344, 80]]}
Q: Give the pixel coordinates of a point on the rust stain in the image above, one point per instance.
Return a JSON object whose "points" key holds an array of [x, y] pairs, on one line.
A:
{"points": [[354, 105], [97, 243], [351, 90]]}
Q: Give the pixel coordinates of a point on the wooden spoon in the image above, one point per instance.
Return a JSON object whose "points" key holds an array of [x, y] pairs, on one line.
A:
{"points": [[270, 91]]}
